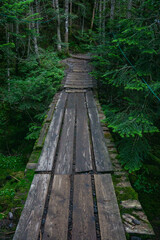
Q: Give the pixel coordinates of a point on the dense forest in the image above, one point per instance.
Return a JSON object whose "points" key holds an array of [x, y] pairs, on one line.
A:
{"points": [[123, 37]]}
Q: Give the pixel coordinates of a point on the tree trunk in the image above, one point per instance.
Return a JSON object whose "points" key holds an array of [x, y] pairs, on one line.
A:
{"points": [[53, 4], [104, 20], [59, 44], [29, 40], [129, 9], [71, 5], [113, 3], [83, 22], [35, 37], [8, 61], [37, 11], [100, 18], [17, 32], [93, 14], [66, 23]]}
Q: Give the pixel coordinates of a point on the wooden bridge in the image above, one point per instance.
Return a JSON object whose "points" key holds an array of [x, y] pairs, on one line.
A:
{"points": [[72, 194]]}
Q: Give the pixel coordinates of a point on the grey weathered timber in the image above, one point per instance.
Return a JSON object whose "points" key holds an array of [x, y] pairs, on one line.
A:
{"points": [[79, 84], [81, 56], [62, 100], [71, 101], [102, 159], [78, 87], [65, 153], [30, 221], [111, 226], [79, 80], [79, 70], [46, 159], [83, 151], [56, 225], [76, 91], [42, 135], [50, 112], [83, 215], [90, 100]]}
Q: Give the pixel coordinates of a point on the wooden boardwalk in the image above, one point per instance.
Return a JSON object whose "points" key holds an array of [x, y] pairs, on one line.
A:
{"points": [[72, 194]]}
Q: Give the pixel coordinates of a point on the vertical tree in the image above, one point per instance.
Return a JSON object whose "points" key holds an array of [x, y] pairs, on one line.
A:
{"points": [[129, 9], [71, 6], [104, 19], [66, 23], [59, 44], [8, 61], [93, 13], [100, 18], [35, 36], [113, 3]]}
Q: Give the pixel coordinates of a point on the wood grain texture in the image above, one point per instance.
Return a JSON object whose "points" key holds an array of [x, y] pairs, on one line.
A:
{"points": [[71, 101], [56, 225], [42, 135], [30, 221], [90, 100], [102, 159], [65, 153], [62, 100], [83, 151], [111, 226], [78, 87], [50, 112], [83, 215], [47, 157]]}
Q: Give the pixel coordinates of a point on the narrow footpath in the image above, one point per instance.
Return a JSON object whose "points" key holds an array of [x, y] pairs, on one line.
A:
{"points": [[72, 194]]}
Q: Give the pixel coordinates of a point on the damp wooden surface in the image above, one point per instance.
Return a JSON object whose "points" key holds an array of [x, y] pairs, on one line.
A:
{"points": [[83, 215], [31, 217], [65, 153], [102, 158], [62, 202], [56, 225], [83, 149], [111, 226], [49, 149]]}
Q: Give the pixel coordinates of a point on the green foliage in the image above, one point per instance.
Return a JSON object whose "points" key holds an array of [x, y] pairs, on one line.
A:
{"points": [[131, 109], [26, 98], [11, 162], [14, 187]]}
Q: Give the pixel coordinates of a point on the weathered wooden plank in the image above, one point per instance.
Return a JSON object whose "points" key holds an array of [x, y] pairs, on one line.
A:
{"points": [[71, 101], [56, 225], [62, 100], [111, 226], [102, 159], [50, 112], [80, 100], [81, 56], [65, 153], [90, 100], [30, 221], [46, 159], [42, 135], [83, 215], [83, 151], [75, 91], [79, 81], [79, 70], [78, 87]]}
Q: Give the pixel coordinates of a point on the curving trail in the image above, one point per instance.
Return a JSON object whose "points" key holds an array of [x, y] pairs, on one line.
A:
{"points": [[72, 194]]}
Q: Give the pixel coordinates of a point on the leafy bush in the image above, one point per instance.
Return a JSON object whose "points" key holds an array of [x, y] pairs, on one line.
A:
{"points": [[25, 99], [124, 64]]}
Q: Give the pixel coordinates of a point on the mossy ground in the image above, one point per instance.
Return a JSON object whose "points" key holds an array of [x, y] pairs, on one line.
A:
{"points": [[14, 186], [149, 192]]}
